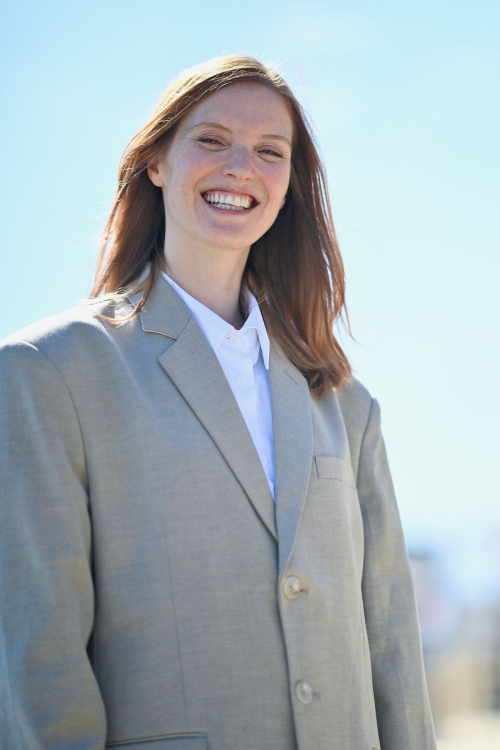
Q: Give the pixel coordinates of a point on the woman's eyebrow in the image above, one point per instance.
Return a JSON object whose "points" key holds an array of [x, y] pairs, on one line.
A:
{"points": [[227, 130]]}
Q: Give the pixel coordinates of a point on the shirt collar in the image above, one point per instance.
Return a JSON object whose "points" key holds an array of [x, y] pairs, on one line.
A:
{"points": [[255, 320], [215, 328]]}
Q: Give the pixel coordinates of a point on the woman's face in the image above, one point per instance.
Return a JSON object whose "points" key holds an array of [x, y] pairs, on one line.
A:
{"points": [[232, 149]]}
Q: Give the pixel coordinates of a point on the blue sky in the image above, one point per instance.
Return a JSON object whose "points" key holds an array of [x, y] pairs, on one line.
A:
{"points": [[404, 98]]}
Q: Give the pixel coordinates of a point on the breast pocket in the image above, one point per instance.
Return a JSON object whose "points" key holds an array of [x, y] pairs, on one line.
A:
{"points": [[179, 741], [331, 467]]}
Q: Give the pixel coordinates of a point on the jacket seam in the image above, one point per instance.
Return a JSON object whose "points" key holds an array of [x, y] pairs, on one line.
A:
{"points": [[177, 638], [363, 437], [369, 530], [157, 737], [367, 657]]}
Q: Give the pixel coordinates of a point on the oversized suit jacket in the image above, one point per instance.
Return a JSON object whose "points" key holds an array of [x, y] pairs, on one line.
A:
{"points": [[145, 572]]}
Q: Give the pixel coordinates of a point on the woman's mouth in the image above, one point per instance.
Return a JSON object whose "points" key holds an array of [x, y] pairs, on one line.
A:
{"points": [[224, 201]]}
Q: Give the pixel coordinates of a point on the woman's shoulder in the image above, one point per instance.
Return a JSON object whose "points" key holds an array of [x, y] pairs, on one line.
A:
{"points": [[353, 393], [356, 403], [63, 334]]}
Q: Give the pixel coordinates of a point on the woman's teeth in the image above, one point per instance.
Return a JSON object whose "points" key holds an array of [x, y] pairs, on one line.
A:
{"points": [[228, 201]]}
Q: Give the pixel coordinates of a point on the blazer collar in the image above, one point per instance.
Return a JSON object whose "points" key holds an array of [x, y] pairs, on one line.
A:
{"points": [[215, 328], [192, 365]]}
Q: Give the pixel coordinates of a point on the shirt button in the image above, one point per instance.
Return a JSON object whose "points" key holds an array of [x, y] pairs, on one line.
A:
{"points": [[303, 691], [234, 340], [291, 587], [240, 381]]}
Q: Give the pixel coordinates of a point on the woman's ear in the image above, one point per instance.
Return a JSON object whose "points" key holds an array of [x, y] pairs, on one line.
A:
{"points": [[154, 172]]}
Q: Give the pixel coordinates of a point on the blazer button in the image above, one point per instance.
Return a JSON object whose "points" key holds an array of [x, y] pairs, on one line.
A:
{"points": [[304, 692], [291, 587]]}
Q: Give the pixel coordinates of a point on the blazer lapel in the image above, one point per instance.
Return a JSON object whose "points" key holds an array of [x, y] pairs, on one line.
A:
{"points": [[192, 365], [293, 447]]}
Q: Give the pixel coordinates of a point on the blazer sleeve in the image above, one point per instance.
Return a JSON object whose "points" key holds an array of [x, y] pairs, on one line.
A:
{"points": [[49, 697], [402, 705]]}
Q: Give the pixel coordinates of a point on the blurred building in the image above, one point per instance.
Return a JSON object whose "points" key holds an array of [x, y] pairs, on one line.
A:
{"points": [[461, 647]]}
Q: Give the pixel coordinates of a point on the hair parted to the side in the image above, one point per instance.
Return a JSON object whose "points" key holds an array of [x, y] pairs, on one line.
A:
{"points": [[295, 269]]}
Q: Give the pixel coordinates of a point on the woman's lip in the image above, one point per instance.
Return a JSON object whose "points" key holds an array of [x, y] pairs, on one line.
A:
{"points": [[229, 210]]}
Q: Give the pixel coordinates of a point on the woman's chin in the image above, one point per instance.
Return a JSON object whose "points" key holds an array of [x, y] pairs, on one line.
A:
{"points": [[229, 237]]}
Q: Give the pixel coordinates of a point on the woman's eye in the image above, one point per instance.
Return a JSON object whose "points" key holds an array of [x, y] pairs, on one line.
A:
{"points": [[216, 142], [270, 151], [209, 140]]}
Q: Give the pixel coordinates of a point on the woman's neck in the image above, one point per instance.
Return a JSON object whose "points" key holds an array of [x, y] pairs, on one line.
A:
{"points": [[217, 286]]}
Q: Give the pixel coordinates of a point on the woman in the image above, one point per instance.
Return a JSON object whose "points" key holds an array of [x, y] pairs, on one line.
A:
{"points": [[201, 547]]}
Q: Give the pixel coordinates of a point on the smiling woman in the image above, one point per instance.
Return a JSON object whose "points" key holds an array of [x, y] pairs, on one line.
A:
{"points": [[200, 545], [233, 126], [223, 182]]}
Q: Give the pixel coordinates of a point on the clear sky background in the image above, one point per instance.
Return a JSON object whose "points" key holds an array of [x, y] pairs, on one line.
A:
{"points": [[405, 101]]}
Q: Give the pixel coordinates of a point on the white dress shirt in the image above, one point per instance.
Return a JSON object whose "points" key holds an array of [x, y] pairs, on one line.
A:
{"points": [[244, 357]]}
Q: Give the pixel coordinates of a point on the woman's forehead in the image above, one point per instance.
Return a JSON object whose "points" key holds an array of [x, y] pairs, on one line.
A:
{"points": [[245, 106]]}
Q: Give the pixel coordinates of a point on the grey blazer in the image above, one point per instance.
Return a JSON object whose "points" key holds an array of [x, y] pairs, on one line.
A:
{"points": [[152, 595]]}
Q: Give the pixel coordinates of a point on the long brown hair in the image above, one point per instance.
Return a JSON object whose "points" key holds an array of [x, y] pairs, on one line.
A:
{"points": [[295, 269]]}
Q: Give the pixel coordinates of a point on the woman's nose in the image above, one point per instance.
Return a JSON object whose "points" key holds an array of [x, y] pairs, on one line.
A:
{"points": [[239, 163]]}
